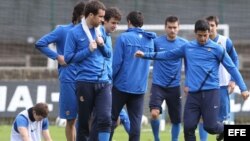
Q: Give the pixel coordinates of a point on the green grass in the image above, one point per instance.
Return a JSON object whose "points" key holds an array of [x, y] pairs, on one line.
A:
{"points": [[57, 134], [147, 135]]}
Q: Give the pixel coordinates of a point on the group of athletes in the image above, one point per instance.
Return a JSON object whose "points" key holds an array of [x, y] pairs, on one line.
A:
{"points": [[97, 82]]}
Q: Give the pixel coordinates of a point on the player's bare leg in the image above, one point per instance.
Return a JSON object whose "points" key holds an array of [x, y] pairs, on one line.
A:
{"points": [[70, 130]]}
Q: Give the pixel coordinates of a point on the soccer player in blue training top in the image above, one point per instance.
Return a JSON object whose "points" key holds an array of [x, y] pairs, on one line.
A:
{"points": [[166, 80], [130, 74], [227, 83], [111, 19], [89, 52], [30, 124], [66, 72], [203, 57]]}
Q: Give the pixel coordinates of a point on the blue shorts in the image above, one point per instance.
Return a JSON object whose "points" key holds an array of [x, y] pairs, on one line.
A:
{"points": [[67, 100], [172, 96], [224, 110]]}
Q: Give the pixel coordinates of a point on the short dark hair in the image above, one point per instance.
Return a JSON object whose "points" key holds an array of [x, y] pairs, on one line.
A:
{"points": [[171, 19], [201, 25], [93, 6], [41, 109], [78, 12], [213, 18], [135, 18], [112, 12]]}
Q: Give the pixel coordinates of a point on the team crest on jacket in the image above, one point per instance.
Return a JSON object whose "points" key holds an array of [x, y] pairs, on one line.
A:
{"points": [[219, 43], [140, 35], [209, 49], [81, 98]]}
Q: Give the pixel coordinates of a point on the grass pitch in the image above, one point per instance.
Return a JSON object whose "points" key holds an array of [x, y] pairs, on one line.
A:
{"points": [[57, 134]]}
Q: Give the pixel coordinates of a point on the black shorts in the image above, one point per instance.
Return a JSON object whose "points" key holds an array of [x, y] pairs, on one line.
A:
{"points": [[172, 96]]}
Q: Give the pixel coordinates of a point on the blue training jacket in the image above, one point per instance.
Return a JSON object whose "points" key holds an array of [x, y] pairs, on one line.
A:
{"points": [[108, 42], [91, 66], [167, 73], [130, 74], [58, 36], [202, 64]]}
